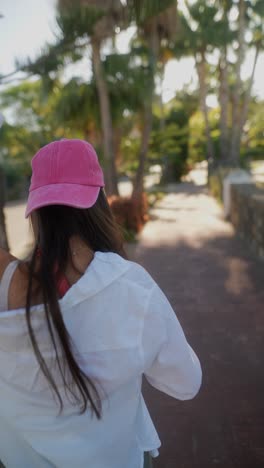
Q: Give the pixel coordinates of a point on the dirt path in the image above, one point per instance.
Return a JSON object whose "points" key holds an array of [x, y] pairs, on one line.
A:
{"points": [[216, 287]]}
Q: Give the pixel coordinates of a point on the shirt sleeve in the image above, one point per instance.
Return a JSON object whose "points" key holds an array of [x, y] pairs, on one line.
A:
{"points": [[170, 364]]}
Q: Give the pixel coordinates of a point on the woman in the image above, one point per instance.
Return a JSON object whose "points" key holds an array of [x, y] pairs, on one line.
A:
{"points": [[79, 326]]}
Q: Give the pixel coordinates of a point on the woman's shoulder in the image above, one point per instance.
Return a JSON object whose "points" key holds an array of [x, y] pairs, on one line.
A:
{"points": [[5, 259], [125, 269], [119, 261]]}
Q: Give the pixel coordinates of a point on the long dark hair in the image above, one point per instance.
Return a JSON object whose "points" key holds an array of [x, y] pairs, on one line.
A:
{"points": [[56, 225]]}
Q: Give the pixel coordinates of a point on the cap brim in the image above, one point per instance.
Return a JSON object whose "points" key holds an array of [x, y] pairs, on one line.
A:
{"points": [[78, 196]]}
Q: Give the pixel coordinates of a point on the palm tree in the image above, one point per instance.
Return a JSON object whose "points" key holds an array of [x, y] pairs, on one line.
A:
{"points": [[225, 38], [83, 23], [249, 14], [212, 31], [156, 21], [3, 234], [109, 13], [76, 106], [199, 36], [235, 141]]}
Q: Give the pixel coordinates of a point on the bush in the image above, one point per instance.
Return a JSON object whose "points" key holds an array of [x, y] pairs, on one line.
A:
{"points": [[16, 183], [130, 213], [171, 143]]}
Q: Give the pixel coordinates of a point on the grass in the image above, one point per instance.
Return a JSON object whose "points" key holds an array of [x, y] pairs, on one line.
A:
{"points": [[129, 236], [154, 195]]}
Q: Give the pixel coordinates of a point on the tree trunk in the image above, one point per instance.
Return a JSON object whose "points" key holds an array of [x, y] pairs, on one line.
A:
{"points": [[223, 101], [107, 128], [3, 235], [236, 133], [153, 42], [117, 138], [138, 185], [161, 103], [162, 113], [244, 112], [201, 71]]}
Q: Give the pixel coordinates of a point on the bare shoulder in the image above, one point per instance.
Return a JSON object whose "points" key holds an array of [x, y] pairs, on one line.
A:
{"points": [[19, 282], [5, 259]]}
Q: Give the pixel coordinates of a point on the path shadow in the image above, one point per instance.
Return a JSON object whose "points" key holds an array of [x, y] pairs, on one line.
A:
{"points": [[188, 188], [153, 217], [218, 295]]}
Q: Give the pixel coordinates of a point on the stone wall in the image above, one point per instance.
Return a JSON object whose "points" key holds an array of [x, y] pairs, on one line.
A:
{"points": [[215, 182], [247, 214]]}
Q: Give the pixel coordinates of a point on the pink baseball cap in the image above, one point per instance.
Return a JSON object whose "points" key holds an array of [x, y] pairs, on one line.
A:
{"points": [[65, 172]]}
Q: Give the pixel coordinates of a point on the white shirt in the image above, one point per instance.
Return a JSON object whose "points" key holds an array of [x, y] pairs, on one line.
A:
{"points": [[122, 326]]}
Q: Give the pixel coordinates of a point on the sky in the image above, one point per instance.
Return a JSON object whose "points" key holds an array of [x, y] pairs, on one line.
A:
{"points": [[28, 24]]}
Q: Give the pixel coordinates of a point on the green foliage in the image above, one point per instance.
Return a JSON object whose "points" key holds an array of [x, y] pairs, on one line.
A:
{"points": [[143, 11], [16, 181], [197, 144], [78, 21], [50, 59], [253, 143], [129, 148], [197, 140], [76, 106], [154, 195], [31, 123], [170, 144], [215, 181], [170, 137], [127, 80], [215, 186], [129, 235], [46, 109], [20, 144], [200, 31]]}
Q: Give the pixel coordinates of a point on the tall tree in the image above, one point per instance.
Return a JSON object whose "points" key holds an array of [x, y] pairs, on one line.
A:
{"points": [[201, 33], [102, 28], [223, 97], [3, 234], [250, 18], [75, 106], [156, 21], [209, 27], [226, 38], [84, 25], [235, 141]]}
